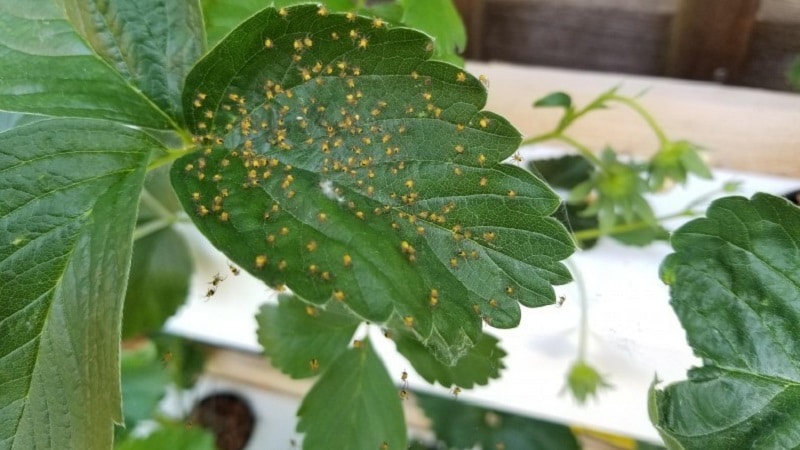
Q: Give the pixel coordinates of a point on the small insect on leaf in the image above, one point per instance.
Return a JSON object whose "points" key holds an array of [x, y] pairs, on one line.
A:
{"points": [[216, 280], [403, 394], [456, 390], [561, 300], [313, 364]]}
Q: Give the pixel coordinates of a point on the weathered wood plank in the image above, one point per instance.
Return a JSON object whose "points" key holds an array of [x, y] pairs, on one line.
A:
{"points": [[710, 38]]}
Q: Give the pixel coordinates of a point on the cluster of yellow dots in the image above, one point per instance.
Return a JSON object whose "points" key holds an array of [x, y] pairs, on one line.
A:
{"points": [[353, 143]]}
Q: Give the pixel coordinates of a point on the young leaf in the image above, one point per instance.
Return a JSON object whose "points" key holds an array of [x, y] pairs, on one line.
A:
{"points": [[481, 363], [735, 285], [158, 283], [152, 44], [48, 69], [344, 174], [555, 99], [354, 405], [463, 426], [70, 194], [303, 340]]}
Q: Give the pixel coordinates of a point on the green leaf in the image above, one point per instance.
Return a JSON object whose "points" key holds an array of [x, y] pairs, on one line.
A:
{"points": [[48, 69], [735, 285], [564, 172], [481, 363], [144, 382], [463, 426], [364, 193], [674, 162], [70, 189], [158, 283], [303, 340], [185, 360], [354, 405], [584, 381], [441, 20], [555, 99], [221, 16], [152, 44], [175, 437]]}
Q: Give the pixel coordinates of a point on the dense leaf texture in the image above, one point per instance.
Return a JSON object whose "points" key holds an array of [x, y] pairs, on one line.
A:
{"points": [[735, 285], [462, 426], [341, 162], [481, 363], [303, 340], [354, 405], [68, 195], [48, 69], [152, 44]]}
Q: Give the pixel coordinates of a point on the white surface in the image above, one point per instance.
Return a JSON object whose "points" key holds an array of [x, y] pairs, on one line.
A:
{"points": [[633, 332]]}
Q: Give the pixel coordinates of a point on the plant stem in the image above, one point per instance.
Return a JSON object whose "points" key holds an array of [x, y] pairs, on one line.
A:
{"points": [[152, 227], [558, 136], [582, 149], [165, 217], [151, 202], [687, 211], [583, 298], [634, 105], [168, 157]]}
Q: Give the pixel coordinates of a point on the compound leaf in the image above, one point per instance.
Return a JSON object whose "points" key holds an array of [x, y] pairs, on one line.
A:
{"points": [[303, 340], [152, 44], [343, 173], [48, 69], [735, 285], [463, 426], [69, 191], [353, 405], [481, 363]]}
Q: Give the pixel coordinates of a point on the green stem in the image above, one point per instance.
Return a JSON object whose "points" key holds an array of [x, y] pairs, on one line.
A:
{"points": [[583, 298], [151, 202], [582, 149], [540, 138], [152, 227], [558, 136], [634, 105], [687, 211], [167, 158]]}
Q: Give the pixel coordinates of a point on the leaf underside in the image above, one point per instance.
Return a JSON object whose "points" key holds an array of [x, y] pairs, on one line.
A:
{"points": [[69, 190], [339, 161], [735, 285]]}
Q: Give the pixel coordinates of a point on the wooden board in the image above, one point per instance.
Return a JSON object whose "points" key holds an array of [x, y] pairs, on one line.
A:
{"points": [[742, 128]]}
